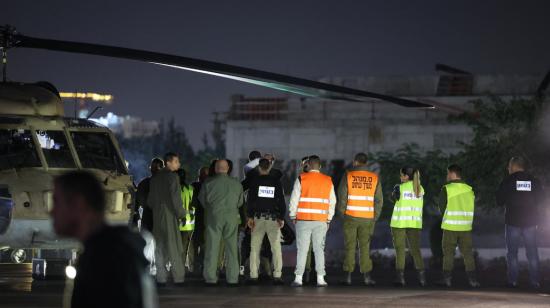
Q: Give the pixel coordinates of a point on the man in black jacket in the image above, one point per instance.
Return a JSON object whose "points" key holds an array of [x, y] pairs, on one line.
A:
{"points": [[146, 215], [266, 211], [521, 195], [112, 270]]}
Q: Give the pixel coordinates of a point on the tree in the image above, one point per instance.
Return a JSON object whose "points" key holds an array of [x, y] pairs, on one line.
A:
{"points": [[432, 166], [502, 129]]}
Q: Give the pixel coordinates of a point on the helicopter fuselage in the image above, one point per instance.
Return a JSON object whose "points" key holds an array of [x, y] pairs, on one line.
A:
{"points": [[38, 143]]}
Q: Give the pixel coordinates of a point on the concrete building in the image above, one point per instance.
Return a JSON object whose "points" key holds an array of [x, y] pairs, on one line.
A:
{"points": [[292, 127], [129, 126]]}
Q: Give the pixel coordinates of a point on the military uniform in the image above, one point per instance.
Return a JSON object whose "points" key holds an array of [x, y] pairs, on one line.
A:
{"points": [[456, 202], [165, 201], [360, 201], [406, 226], [221, 197]]}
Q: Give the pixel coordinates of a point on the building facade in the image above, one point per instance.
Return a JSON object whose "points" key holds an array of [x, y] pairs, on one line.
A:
{"points": [[293, 127]]}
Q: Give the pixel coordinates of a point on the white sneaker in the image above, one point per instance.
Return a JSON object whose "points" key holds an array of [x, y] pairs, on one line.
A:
{"points": [[297, 281], [321, 281]]}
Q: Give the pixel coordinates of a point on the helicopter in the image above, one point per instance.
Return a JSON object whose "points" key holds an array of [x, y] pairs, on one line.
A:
{"points": [[38, 142]]}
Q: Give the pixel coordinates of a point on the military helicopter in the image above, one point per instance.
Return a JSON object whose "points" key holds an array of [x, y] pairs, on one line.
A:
{"points": [[38, 142]]}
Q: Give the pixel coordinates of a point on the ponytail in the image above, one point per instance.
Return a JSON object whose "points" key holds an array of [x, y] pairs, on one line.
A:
{"points": [[416, 183], [414, 176]]}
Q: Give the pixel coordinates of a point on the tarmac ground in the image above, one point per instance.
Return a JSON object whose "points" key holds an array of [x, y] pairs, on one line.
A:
{"points": [[17, 289]]}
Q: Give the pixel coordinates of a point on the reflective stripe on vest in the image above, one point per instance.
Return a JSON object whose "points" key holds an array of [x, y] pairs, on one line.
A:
{"points": [[186, 197], [361, 191], [407, 212], [315, 197], [459, 215]]}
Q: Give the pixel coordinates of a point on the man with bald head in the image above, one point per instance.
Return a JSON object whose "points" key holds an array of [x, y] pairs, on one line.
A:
{"points": [[221, 197]]}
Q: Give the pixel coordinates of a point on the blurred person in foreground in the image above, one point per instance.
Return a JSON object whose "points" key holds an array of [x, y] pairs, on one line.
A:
{"points": [[112, 256]]}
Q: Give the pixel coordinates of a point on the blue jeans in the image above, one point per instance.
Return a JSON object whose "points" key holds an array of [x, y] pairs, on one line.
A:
{"points": [[513, 238]]}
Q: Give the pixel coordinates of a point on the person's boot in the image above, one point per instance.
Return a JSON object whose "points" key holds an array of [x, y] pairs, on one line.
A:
{"points": [[445, 281], [306, 276], [399, 279], [422, 278], [347, 279], [367, 280], [472, 280]]}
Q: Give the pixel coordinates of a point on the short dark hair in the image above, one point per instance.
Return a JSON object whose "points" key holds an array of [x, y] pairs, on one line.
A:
{"points": [[84, 184], [518, 161], [314, 161], [361, 158], [157, 163], [304, 159], [456, 169], [264, 164], [169, 156], [254, 154]]}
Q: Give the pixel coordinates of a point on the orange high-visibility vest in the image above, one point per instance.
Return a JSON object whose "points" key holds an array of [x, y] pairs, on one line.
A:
{"points": [[315, 197], [361, 191]]}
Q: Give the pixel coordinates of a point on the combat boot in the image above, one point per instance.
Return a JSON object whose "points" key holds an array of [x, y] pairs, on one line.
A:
{"points": [[422, 278], [472, 280], [368, 281], [399, 279], [347, 279], [445, 281]]}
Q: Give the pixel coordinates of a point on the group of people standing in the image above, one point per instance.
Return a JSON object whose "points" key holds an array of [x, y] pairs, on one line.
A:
{"points": [[203, 220]]}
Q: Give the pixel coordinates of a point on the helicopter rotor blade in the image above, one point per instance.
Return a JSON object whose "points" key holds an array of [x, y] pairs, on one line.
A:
{"points": [[276, 81]]}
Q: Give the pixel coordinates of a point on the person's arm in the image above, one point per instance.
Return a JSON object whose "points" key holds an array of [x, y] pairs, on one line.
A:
{"points": [[151, 201], [251, 200], [280, 201], [175, 195], [378, 201], [294, 199], [501, 195], [332, 204], [396, 193], [240, 202], [442, 200], [342, 196], [246, 182], [202, 196]]}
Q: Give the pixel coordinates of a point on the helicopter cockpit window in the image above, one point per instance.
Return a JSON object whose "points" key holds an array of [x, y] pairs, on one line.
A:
{"points": [[56, 148], [17, 149], [97, 151], [6, 207]]}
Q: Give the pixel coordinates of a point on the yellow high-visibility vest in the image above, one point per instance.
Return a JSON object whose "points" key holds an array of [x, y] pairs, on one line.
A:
{"points": [[187, 196], [459, 215]]}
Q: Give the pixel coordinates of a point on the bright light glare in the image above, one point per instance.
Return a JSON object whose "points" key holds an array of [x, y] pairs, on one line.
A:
{"points": [[90, 96], [70, 271]]}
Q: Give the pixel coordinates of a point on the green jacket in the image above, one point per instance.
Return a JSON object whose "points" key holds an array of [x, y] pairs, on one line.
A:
{"points": [[221, 197], [342, 196], [164, 199]]}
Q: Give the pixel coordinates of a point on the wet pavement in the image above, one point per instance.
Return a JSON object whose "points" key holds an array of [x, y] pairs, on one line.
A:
{"points": [[17, 289]]}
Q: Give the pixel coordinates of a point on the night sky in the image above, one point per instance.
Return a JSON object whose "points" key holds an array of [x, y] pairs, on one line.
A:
{"points": [[308, 39]]}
